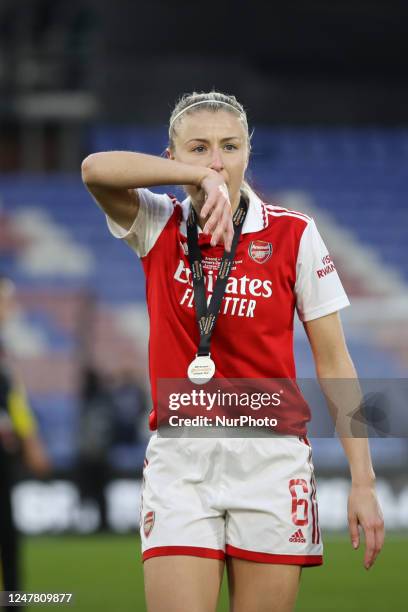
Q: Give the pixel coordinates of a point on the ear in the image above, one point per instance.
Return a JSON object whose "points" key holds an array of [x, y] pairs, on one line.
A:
{"points": [[169, 154]]}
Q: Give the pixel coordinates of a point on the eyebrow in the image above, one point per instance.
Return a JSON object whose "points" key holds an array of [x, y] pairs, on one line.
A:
{"points": [[207, 141]]}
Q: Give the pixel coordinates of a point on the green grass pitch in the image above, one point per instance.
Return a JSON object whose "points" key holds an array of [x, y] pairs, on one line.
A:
{"points": [[105, 573]]}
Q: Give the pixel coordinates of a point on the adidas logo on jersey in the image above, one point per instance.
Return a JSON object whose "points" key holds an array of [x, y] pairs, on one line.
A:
{"points": [[298, 537]]}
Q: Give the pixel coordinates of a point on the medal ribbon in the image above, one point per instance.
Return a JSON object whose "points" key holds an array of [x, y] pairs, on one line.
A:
{"points": [[206, 316]]}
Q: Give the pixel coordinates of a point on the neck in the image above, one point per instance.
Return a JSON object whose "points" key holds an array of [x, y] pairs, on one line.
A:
{"points": [[198, 206]]}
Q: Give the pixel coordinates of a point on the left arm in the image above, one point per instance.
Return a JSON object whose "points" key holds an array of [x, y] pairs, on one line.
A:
{"points": [[332, 360]]}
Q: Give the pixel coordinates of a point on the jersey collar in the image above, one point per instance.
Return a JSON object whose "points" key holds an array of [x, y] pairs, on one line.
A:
{"points": [[254, 221]]}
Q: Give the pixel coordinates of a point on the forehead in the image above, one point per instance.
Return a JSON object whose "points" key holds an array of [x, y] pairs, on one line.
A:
{"points": [[210, 125]]}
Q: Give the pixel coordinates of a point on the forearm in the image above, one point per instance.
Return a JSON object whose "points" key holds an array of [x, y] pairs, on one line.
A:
{"points": [[357, 451], [127, 170], [343, 394]]}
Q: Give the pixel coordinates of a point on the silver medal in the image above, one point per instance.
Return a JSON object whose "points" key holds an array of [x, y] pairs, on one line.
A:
{"points": [[201, 369]]}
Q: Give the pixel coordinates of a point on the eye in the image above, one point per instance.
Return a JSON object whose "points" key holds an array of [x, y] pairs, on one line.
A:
{"points": [[199, 149], [230, 147]]}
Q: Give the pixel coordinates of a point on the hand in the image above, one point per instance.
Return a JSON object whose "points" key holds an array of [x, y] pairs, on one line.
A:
{"points": [[364, 510], [217, 208], [35, 457]]}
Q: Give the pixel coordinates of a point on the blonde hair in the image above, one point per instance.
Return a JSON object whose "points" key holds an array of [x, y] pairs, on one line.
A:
{"points": [[212, 101]]}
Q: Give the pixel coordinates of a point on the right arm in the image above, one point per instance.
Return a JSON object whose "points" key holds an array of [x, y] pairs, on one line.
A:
{"points": [[113, 177]]}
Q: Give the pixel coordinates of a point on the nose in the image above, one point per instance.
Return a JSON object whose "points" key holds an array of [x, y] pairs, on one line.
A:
{"points": [[217, 163]]}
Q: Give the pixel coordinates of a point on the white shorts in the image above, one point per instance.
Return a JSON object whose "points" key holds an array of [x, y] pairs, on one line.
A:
{"points": [[252, 498]]}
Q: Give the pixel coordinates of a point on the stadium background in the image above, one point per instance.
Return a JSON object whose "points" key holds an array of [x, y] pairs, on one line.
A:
{"points": [[326, 90]]}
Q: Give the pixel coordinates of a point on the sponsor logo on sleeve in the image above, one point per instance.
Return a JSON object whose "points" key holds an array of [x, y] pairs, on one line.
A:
{"points": [[328, 266]]}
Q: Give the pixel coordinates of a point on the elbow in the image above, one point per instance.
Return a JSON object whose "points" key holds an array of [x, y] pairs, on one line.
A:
{"points": [[89, 169]]}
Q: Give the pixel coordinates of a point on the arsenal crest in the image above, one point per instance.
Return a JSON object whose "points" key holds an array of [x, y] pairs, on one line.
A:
{"points": [[148, 523], [260, 251]]}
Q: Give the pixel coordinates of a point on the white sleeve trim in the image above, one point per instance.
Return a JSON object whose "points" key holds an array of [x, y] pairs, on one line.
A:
{"points": [[120, 232], [318, 288], [325, 309], [153, 214]]}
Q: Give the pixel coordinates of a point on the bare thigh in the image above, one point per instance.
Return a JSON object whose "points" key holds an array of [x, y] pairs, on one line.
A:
{"points": [[262, 587], [181, 583]]}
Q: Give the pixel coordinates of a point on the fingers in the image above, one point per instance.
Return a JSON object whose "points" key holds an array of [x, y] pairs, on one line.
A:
{"points": [[225, 230], [374, 539], [374, 534], [380, 535], [216, 195], [370, 549], [365, 511], [219, 223], [215, 217], [354, 533]]}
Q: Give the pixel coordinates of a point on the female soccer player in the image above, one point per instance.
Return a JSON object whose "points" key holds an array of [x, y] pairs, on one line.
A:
{"points": [[248, 501]]}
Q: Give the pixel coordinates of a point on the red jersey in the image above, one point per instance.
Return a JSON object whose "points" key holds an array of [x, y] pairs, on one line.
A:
{"points": [[280, 265]]}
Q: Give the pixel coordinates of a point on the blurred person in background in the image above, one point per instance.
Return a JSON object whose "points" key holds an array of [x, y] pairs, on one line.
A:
{"points": [[131, 408], [19, 443], [112, 409], [97, 422], [131, 430]]}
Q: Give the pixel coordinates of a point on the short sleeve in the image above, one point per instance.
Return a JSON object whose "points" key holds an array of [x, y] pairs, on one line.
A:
{"points": [[154, 212], [318, 288]]}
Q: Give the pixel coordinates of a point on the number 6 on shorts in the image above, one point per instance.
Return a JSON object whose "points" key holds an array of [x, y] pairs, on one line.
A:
{"points": [[299, 504]]}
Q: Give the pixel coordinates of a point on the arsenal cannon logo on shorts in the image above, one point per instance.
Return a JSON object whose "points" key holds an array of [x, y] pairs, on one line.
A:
{"points": [[148, 523], [260, 251]]}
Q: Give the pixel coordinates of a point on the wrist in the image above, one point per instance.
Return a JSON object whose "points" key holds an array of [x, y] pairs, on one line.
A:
{"points": [[209, 174], [368, 480]]}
